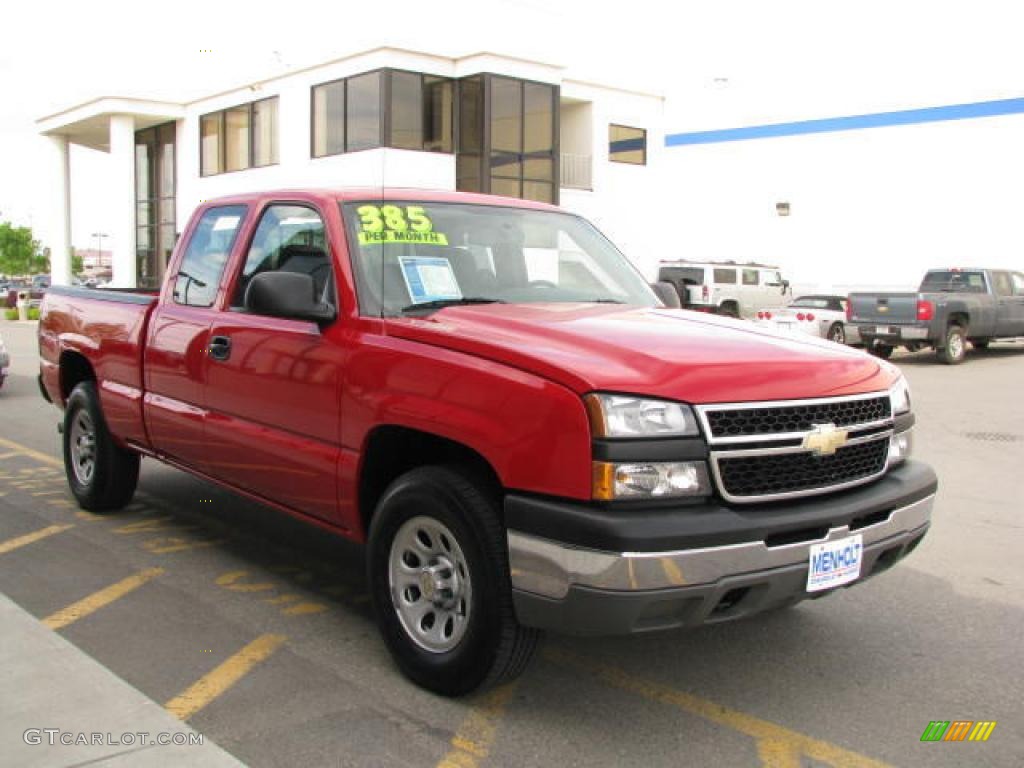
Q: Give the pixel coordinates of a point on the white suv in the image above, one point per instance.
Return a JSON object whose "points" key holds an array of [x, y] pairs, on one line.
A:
{"points": [[725, 287]]}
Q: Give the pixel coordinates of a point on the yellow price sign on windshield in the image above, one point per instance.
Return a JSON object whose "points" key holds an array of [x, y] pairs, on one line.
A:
{"points": [[394, 224]]}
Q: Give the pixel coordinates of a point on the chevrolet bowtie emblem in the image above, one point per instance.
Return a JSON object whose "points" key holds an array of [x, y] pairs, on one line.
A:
{"points": [[825, 439]]}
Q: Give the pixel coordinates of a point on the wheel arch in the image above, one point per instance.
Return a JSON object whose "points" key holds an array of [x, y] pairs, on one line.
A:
{"points": [[391, 450], [74, 369]]}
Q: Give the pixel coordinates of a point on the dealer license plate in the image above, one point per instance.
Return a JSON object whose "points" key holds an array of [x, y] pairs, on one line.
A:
{"points": [[885, 330], [835, 563]]}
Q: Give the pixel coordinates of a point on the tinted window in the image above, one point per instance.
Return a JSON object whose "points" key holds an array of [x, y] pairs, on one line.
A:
{"points": [[750, 277], [240, 137], [406, 110], [264, 132], [627, 145], [206, 256], [210, 141], [289, 238], [771, 278], [725, 276], [953, 281]]}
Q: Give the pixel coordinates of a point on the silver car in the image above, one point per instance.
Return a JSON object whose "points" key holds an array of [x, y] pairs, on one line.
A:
{"points": [[823, 316]]}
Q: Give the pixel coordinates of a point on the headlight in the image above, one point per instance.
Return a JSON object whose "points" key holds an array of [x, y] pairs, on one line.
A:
{"points": [[627, 416], [899, 396], [649, 479]]}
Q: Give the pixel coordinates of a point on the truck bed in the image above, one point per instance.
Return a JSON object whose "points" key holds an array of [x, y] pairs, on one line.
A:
{"points": [[107, 327]]}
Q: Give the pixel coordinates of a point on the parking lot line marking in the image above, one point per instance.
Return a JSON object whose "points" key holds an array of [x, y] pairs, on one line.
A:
{"points": [[24, 450], [777, 754], [28, 538], [97, 600], [221, 678], [782, 743], [474, 738]]}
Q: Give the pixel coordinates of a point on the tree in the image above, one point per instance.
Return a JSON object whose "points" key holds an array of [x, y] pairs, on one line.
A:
{"points": [[77, 263], [19, 252]]}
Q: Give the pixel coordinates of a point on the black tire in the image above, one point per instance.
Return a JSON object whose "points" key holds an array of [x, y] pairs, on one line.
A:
{"points": [[493, 648], [884, 351], [110, 482], [837, 333], [954, 346]]}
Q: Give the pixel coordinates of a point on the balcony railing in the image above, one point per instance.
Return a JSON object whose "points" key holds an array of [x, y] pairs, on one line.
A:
{"points": [[576, 171]]}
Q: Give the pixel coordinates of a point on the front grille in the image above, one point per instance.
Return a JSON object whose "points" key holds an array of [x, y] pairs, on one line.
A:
{"points": [[778, 420], [786, 473]]}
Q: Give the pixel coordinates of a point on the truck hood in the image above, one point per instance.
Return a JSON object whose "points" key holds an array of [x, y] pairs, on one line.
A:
{"points": [[665, 353]]}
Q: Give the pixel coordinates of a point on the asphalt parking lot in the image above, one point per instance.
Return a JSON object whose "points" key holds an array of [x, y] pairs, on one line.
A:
{"points": [[208, 579]]}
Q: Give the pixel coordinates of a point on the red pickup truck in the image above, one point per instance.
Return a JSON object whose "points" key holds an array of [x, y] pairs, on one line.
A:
{"points": [[488, 394]]}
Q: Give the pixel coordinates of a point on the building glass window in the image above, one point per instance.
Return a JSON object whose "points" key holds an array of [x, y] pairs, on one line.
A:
{"points": [[520, 143], [384, 108], [154, 202], [362, 112], [627, 145], [210, 142], [264, 132], [239, 137]]}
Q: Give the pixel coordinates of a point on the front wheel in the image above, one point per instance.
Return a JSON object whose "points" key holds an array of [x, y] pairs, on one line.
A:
{"points": [[101, 474], [438, 571], [954, 346], [837, 333]]}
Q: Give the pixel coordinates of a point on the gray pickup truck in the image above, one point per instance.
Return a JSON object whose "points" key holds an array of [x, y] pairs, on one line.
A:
{"points": [[952, 307]]}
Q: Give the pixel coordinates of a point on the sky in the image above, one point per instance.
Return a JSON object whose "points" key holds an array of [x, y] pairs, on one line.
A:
{"points": [[721, 64]]}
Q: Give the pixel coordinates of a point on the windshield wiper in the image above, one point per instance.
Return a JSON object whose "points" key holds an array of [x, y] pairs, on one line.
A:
{"points": [[606, 301], [442, 303]]}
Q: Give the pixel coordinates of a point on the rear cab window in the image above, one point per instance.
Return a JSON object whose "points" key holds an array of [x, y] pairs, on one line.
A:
{"points": [[953, 281], [206, 255]]}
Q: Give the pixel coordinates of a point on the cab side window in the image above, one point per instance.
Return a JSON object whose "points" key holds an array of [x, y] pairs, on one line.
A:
{"points": [[750, 277], [289, 238], [1018, 283], [1001, 283], [207, 254]]}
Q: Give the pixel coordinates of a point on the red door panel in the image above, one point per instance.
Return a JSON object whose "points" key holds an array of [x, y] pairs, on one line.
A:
{"points": [[273, 420]]}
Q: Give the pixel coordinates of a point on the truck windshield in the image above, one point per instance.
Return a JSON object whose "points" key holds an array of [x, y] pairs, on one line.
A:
{"points": [[414, 257], [953, 281]]}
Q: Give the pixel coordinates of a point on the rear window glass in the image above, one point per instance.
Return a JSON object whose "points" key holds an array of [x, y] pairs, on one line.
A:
{"points": [[954, 281], [682, 275], [812, 302]]}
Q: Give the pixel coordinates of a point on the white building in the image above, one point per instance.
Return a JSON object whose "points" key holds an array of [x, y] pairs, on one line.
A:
{"points": [[390, 117]]}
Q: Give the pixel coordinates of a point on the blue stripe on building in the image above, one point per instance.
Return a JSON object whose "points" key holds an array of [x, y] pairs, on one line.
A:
{"points": [[851, 123]]}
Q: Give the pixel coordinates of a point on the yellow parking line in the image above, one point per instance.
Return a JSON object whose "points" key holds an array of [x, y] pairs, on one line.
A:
{"points": [[218, 680], [474, 738], [778, 747], [28, 538], [24, 450], [97, 600]]}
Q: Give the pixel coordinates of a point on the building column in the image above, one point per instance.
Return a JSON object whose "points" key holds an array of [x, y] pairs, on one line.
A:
{"points": [[122, 232], [60, 228]]}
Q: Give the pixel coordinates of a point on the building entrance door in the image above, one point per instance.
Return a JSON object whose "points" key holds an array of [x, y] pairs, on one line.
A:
{"points": [[154, 203]]}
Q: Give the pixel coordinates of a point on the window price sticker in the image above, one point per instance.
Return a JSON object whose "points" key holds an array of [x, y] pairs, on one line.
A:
{"points": [[394, 224], [429, 278]]}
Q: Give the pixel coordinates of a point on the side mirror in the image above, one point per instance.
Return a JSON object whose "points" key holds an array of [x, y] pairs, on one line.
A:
{"points": [[286, 294], [667, 293], [785, 287]]}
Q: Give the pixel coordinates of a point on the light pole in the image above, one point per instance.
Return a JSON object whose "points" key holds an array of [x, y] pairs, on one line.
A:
{"points": [[99, 247]]}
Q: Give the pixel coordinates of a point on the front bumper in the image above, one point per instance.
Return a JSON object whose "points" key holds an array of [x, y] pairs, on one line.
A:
{"points": [[716, 562]]}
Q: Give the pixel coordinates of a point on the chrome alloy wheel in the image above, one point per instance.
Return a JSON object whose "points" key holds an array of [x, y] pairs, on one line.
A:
{"points": [[83, 447], [430, 586], [956, 345]]}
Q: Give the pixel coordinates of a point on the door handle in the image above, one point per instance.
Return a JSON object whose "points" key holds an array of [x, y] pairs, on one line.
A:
{"points": [[219, 347]]}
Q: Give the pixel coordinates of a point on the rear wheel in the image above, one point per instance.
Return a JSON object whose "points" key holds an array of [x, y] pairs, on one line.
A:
{"points": [[837, 333], [101, 474], [730, 309], [954, 346], [438, 571], [878, 349]]}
